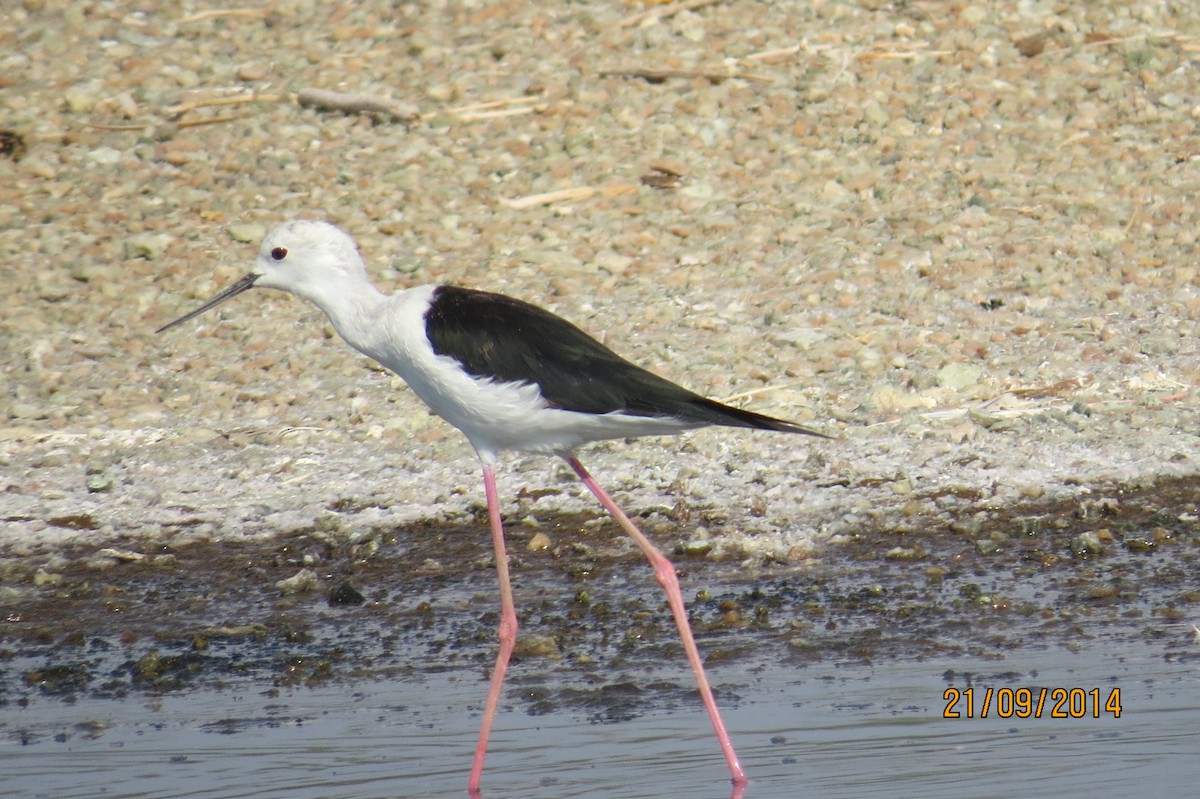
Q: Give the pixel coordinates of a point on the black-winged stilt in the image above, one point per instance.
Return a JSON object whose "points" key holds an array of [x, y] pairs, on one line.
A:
{"points": [[510, 376]]}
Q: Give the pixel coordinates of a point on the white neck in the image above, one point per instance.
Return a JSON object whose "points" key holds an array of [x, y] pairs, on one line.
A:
{"points": [[350, 308]]}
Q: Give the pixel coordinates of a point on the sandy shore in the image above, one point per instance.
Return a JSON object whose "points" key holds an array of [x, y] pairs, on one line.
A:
{"points": [[961, 239]]}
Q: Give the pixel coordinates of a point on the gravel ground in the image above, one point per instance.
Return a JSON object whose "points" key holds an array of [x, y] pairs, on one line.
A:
{"points": [[960, 237]]}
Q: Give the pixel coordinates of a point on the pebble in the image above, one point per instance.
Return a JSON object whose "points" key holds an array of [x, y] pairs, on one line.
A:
{"points": [[197, 435], [988, 546], [538, 542], [99, 483], [1087, 543], [121, 555], [959, 375], [150, 246], [105, 156], [1138, 542], [345, 594], [43, 578], [28, 410], [253, 71], [40, 168], [612, 262], [303, 581], [82, 97], [89, 271], [531, 645], [247, 233]]}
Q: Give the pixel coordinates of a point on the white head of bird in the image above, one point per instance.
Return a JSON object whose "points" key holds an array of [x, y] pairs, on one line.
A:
{"points": [[316, 261]]}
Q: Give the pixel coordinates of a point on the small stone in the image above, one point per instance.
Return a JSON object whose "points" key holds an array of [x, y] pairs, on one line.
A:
{"points": [[346, 594], [578, 143], [40, 168], [186, 78], [99, 483], [1032, 45], [431, 566], [986, 546], [875, 114], [82, 97], [699, 192], [695, 548], [42, 578], [669, 166], [1140, 543], [989, 421], [1087, 543], [197, 435], [147, 245], [253, 70], [801, 337], [537, 646], [55, 457], [121, 555], [26, 410], [612, 262], [958, 375], [105, 156], [301, 582], [178, 152], [834, 193], [973, 15], [247, 232], [1101, 592], [539, 542], [88, 271]]}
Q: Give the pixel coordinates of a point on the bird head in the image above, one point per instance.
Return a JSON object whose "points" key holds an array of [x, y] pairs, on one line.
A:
{"points": [[313, 260]]}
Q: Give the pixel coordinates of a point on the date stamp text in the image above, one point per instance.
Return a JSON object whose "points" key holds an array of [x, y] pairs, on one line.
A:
{"points": [[1031, 703]]}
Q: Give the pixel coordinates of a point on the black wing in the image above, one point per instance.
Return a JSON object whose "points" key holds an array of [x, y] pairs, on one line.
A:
{"points": [[505, 339]]}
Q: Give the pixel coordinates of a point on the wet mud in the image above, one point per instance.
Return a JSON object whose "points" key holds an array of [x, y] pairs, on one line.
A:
{"points": [[318, 608]]}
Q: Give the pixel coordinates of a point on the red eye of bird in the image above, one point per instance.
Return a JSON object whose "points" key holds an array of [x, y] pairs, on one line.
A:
{"points": [[279, 253]]}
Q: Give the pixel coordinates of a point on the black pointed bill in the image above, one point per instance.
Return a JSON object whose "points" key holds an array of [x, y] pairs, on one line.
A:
{"points": [[237, 288]]}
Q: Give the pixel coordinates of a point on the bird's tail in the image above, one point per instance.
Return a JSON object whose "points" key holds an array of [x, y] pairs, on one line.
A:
{"points": [[714, 412]]}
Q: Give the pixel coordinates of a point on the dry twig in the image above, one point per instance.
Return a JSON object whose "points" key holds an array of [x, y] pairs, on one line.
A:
{"points": [[494, 108], [567, 195], [251, 13], [195, 123], [901, 51], [327, 100], [773, 56], [1058, 389], [659, 75], [754, 392], [183, 108]]}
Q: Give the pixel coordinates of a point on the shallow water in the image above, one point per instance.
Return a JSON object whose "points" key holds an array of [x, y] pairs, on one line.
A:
{"points": [[818, 731]]}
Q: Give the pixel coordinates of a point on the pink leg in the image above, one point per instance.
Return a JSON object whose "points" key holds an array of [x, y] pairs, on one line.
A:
{"points": [[508, 628], [664, 572]]}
